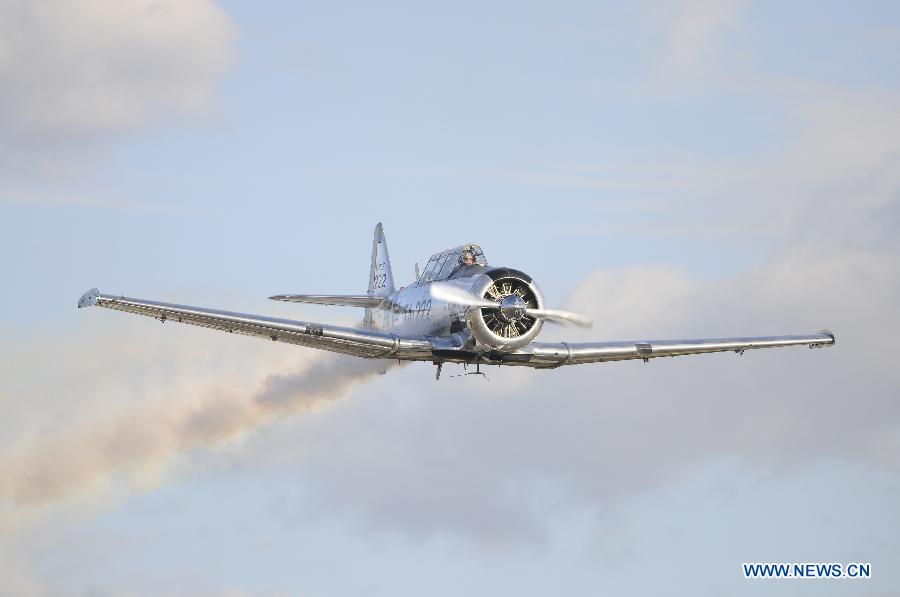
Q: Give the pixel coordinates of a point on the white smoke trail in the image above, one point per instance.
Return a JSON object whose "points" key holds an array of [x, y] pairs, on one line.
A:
{"points": [[141, 440]]}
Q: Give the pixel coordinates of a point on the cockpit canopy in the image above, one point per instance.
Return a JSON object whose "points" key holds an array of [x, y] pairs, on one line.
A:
{"points": [[442, 265]]}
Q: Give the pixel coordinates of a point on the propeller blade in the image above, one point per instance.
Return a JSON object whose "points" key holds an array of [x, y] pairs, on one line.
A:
{"points": [[460, 296], [561, 317]]}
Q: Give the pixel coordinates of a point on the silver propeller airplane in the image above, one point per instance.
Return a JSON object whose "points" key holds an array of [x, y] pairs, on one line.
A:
{"points": [[458, 310]]}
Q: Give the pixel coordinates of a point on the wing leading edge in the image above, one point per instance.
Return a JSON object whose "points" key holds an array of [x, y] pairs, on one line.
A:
{"points": [[556, 354], [353, 341]]}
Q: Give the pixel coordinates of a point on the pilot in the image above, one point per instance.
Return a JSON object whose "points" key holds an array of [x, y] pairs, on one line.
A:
{"points": [[468, 257]]}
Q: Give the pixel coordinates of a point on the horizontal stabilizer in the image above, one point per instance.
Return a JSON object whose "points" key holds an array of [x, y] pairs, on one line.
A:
{"points": [[344, 300]]}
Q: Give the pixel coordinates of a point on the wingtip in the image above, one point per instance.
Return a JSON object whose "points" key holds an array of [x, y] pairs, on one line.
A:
{"points": [[824, 343], [379, 231], [89, 298]]}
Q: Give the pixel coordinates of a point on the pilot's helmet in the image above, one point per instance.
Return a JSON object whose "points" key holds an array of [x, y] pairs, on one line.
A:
{"points": [[467, 257]]}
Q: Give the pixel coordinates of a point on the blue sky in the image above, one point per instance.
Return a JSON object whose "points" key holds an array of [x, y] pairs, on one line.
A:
{"points": [[671, 169]]}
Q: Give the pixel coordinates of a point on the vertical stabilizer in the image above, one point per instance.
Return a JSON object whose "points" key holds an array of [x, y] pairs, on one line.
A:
{"points": [[381, 280]]}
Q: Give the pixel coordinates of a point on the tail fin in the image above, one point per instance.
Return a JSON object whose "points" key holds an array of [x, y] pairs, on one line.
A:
{"points": [[381, 280]]}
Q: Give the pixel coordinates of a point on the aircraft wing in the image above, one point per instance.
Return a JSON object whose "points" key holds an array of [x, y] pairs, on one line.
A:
{"points": [[353, 341], [556, 354]]}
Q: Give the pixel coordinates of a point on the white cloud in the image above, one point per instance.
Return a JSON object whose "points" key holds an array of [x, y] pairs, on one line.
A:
{"points": [[75, 74]]}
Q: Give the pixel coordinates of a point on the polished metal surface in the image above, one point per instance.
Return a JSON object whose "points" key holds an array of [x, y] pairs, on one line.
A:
{"points": [[512, 308], [454, 312]]}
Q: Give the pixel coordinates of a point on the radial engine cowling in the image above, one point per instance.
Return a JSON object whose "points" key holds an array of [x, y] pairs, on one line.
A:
{"points": [[507, 327]]}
